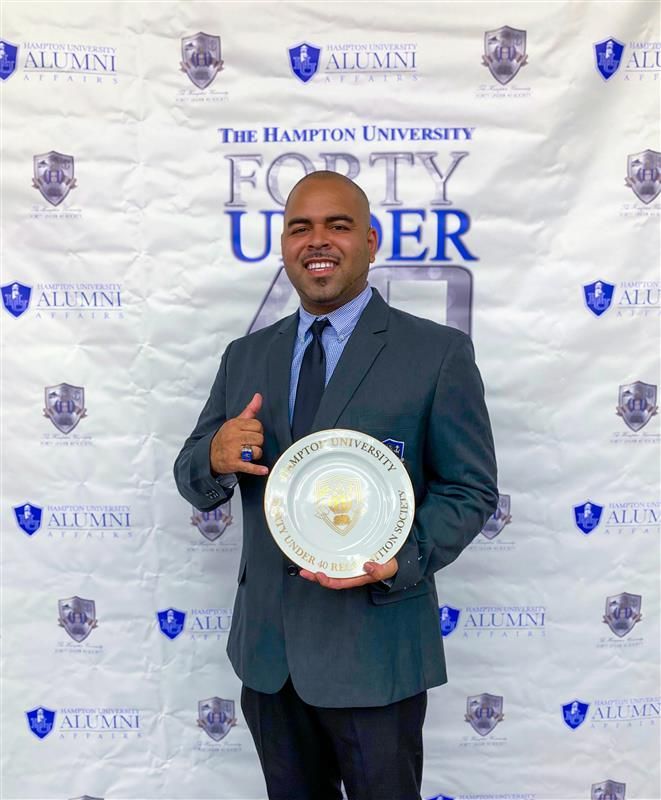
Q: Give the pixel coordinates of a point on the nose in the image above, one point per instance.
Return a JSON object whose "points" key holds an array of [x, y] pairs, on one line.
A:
{"points": [[318, 238]]}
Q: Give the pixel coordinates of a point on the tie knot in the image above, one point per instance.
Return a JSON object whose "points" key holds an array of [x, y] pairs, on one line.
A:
{"points": [[318, 326]]}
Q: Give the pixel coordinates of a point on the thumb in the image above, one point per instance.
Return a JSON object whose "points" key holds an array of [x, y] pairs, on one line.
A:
{"points": [[381, 571], [253, 407]]}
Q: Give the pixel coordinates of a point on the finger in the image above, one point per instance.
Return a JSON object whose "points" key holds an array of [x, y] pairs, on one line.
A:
{"points": [[249, 437], [251, 469], [375, 571], [253, 407], [256, 453], [345, 583], [241, 424], [335, 583]]}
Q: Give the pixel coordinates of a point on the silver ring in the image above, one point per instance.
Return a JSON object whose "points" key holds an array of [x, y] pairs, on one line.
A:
{"points": [[246, 452]]}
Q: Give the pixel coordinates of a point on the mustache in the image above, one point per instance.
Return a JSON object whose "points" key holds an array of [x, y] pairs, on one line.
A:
{"points": [[320, 255]]}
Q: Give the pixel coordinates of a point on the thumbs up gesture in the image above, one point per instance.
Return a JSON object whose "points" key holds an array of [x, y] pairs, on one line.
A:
{"points": [[233, 436]]}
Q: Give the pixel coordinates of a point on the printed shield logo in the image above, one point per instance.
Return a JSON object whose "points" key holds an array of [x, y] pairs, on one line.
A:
{"points": [[396, 446], [212, 524], [441, 797], [171, 622], [216, 717], [574, 713], [499, 518], [65, 406], [77, 617], [53, 176], [339, 502], [504, 52], [449, 619], [608, 55], [16, 298], [28, 518], [623, 612], [644, 175], [484, 712], [598, 296], [201, 59], [637, 404], [587, 516], [40, 721], [304, 60], [608, 790], [8, 57]]}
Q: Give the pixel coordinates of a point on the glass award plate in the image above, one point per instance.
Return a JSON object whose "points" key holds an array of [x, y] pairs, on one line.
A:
{"points": [[336, 499]]}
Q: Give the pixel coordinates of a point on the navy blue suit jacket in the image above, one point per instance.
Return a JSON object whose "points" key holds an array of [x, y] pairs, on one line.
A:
{"points": [[399, 377]]}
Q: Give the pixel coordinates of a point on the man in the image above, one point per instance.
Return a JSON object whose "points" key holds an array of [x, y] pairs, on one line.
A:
{"points": [[335, 671]]}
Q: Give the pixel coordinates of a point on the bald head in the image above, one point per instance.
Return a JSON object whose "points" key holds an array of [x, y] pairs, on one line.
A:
{"points": [[324, 176], [327, 240]]}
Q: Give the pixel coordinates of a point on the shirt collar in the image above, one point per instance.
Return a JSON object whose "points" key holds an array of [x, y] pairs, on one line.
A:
{"points": [[343, 319]]}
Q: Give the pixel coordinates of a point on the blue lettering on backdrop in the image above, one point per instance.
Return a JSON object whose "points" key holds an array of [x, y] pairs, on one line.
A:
{"points": [[235, 229], [458, 220], [398, 233]]}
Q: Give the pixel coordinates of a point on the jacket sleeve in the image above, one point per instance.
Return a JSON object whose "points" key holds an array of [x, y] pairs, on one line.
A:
{"points": [[192, 468], [460, 466]]}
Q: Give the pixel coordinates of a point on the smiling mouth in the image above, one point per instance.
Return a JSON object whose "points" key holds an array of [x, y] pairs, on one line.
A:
{"points": [[320, 266]]}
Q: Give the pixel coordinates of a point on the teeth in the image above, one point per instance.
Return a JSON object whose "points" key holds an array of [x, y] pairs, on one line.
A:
{"points": [[319, 265]]}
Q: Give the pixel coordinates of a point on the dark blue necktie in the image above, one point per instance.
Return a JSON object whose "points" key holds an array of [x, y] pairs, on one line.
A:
{"points": [[311, 382]]}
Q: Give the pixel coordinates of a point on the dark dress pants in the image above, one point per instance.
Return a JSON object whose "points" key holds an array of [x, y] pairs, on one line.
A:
{"points": [[306, 751]]}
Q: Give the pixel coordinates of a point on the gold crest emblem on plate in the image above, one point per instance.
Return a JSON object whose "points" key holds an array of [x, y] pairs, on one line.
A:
{"points": [[339, 502]]}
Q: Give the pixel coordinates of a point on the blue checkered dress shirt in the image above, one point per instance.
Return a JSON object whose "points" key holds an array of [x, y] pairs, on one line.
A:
{"points": [[333, 339]]}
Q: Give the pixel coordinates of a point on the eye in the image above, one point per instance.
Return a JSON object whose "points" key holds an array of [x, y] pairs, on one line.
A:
{"points": [[339, 226]]}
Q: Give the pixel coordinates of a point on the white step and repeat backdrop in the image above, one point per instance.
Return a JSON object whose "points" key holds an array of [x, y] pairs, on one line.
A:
{"points": [[511, 153]]}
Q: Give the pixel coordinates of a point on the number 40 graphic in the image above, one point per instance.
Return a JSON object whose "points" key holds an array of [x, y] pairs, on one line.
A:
{"points": [[441, 293]]}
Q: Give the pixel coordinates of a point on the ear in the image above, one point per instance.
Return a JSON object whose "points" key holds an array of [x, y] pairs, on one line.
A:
{"points": [[372, 243]]}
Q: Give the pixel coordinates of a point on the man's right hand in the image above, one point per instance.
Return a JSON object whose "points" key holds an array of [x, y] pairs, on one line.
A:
{"points": [[233, 435]]}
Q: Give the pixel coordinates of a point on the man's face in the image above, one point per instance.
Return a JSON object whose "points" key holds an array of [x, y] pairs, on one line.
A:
{"points": [[327, 243]]}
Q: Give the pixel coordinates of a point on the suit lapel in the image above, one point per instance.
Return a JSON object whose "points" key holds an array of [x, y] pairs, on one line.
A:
{"points": [[364, 344], [279, 372]]}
